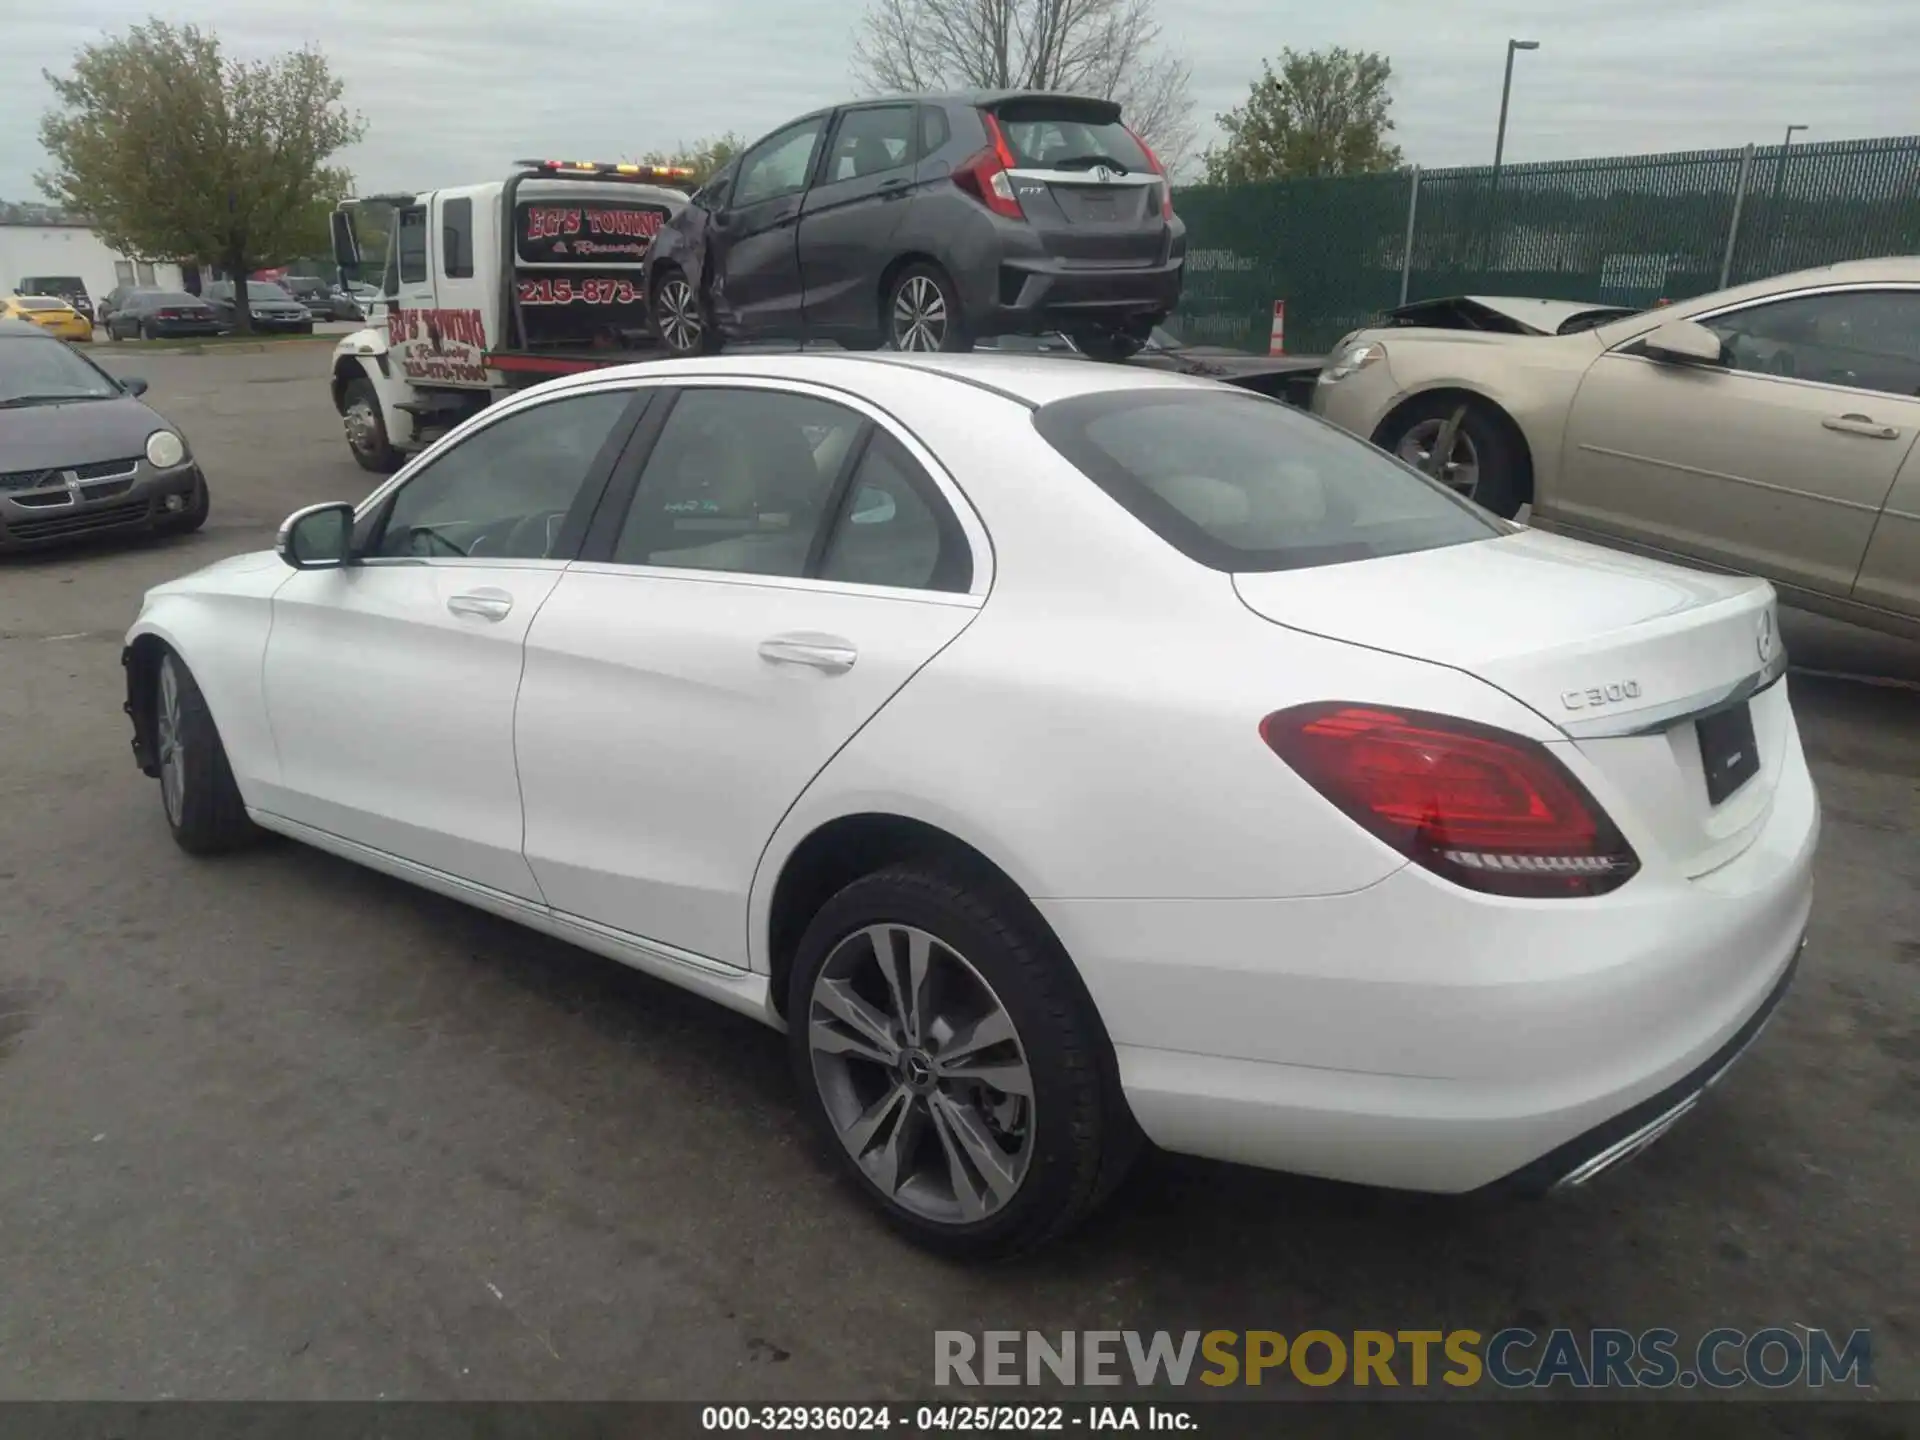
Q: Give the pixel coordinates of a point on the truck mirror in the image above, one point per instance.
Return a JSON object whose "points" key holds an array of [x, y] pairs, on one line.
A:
{"points": [[346, 245]]}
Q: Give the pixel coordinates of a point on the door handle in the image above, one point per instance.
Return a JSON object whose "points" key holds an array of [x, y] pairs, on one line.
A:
{"points": [[1857, 424], [896, 188], [482, 604], [820, 652]]}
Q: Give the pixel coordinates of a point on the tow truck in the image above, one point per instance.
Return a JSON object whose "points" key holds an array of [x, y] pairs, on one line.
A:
{"points": [[486, 289]]}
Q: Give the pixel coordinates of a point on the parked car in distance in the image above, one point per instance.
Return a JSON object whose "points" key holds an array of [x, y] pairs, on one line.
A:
{"points": [[83, 455], [925, 224], [271, 308], [1765, 430], [70, 288], [53, 315], [322, 298], [814, 683], [161, 315], [114, 300]]}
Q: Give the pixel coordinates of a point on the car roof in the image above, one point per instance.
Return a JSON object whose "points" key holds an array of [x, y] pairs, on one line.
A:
{"points": [[1027, 379]]}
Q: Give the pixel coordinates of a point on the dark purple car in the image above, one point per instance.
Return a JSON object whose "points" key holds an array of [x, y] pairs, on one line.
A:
{"points": [[923, 224]]}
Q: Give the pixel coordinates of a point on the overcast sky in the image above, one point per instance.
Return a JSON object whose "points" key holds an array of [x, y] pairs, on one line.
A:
{"points": [[453, 90]]}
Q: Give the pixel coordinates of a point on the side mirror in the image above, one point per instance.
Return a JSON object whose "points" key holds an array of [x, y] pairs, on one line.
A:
{"points": [[1685, 342], [319, 537], [346, 244], [133, 385]]}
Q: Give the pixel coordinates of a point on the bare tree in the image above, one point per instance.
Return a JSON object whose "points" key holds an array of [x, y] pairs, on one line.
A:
{"points": [[1108, 48]]}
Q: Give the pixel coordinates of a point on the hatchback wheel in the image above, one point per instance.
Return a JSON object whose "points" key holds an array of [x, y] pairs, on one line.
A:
{"points": [[197, 790], [923, 311], [952, 1063], [681, 318]]}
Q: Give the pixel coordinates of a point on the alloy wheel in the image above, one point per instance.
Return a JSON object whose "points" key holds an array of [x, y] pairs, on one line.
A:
{"points": [[922, 1074], [919, 315], [679, 318], [1462, 472], [173, 756]]}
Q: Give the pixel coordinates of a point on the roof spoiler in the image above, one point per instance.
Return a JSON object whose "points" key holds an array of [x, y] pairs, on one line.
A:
{"points": [[1038, 105]]}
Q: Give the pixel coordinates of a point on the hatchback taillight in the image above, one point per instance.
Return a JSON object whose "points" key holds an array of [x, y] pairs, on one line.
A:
{"points": [[1486, 809], [1166, 181], [984, 176]]}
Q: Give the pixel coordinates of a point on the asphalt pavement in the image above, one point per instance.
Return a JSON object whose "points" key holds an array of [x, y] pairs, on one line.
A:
{"points": [[276, 1127]]}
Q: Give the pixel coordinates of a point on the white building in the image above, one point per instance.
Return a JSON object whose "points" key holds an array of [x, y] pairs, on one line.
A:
{"points": [[36, 248]]}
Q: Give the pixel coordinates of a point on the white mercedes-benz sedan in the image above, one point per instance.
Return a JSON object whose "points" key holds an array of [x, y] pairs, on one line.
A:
{"points": [[1061, 754]]}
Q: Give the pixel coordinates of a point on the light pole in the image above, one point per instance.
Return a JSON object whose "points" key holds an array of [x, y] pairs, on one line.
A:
{"points": [[1500, 146], [1506, 90], [1779, 179]]}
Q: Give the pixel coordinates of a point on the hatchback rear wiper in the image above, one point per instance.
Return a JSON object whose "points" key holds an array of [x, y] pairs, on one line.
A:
{"points": [[1087, 162]]}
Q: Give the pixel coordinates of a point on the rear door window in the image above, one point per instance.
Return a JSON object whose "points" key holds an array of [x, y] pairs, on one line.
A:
{"points": [[870, 142], [1243, 483]]}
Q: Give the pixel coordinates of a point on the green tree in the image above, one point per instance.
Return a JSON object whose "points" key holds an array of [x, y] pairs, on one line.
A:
{"points": [[1324, 113], [703, 159], [172, 150]]}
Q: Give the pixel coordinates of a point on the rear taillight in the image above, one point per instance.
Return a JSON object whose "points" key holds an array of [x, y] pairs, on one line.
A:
{"points": [[169, 314], [1486, 809], [1166, 181], [984, 176]]}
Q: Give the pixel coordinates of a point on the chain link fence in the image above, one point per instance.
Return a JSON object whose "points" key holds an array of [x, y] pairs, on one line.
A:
{"points": [[1627, 231]]}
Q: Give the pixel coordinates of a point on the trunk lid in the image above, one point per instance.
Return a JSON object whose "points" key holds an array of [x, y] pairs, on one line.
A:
{"points": [[1620, 653], [1089, 189]]}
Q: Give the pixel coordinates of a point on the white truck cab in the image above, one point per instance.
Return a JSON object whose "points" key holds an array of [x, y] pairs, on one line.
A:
{"points": [[488, 288]]}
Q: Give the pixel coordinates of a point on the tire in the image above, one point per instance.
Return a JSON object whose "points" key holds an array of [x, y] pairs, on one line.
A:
{"points": [[921, 311], [681, 316], [197, 790], [371, 448], [1495, 480], [992, 961]]}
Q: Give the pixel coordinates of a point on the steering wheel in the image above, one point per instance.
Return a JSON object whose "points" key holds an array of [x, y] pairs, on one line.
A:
{"points": [[531, 537], [432, 537]]}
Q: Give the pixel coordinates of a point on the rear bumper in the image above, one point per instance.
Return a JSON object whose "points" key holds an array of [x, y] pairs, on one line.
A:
{"points": [[1048, 294], [151, 501], [1416, 1036]]}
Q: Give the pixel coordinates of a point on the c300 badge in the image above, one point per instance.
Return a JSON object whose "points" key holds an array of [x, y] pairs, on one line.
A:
{"points": [[1599, 695]]}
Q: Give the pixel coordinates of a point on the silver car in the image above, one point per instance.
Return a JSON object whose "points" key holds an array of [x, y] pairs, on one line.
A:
{"points": [[1767, 429]]}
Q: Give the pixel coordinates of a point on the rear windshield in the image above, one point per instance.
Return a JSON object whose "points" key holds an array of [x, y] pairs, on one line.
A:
{"points": [[35, 303], [57, 284], [167, 297], [1239, 482], [1054, 137]]}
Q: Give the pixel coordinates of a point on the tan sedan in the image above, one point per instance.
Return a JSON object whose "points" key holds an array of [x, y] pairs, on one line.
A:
{"points": [[1769, 429]]}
